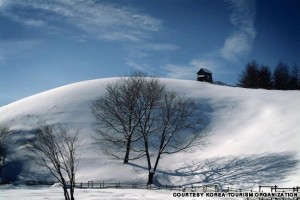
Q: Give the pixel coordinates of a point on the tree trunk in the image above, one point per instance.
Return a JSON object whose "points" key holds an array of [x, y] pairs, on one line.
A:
{"points": [[72, 186], [152, 172], [66, 194], [64, 186], [126, 159], [150, 177], [72, 194], [157, 161]]}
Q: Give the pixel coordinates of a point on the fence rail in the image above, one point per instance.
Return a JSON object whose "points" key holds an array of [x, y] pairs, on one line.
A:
{"points": [[189, 188], [276, 188], [95, 185], [133, 185], [40, 182]]}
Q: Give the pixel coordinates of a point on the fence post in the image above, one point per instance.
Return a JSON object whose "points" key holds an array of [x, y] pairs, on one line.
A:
{"points": [[118, 185], [90, 184]]}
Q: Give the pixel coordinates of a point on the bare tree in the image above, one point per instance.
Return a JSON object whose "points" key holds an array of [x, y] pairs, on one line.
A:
{"points": [[117, 118], [138, 114], [5, 137], [55, 148], [174, 125], [149, 102]]}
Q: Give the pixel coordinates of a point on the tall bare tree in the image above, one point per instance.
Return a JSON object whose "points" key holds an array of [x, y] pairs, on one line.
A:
{"points": [[55, 148], [117, 118], [148, 106], [173, 125], [138, 114], [5, 137]]}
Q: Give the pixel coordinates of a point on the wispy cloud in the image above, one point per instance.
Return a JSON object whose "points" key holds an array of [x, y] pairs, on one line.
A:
{"points": [[139, 54], [16, 49], [139, 66], [159, 47], [189, 70], [98, 19], [236, 45], [239, 42]]}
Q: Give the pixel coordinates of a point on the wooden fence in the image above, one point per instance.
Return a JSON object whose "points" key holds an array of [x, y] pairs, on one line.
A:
{"points": [[99, 185], [124, 185], [190, 188], [39, 182], [276, 188]]}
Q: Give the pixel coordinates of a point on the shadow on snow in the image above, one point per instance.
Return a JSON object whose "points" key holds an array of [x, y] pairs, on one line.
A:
{"points": [[241, 172], [244, 172]]}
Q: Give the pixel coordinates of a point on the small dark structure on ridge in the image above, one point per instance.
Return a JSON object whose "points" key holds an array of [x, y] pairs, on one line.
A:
{"points": [[204, 75]]}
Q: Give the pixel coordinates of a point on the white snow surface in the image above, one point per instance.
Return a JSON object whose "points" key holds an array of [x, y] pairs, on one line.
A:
{"points": [[254, 135], [39, 193], [83, 194]]}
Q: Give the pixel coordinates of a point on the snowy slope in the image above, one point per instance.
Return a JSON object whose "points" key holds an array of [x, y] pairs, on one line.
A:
{"points": [[254, 134]]}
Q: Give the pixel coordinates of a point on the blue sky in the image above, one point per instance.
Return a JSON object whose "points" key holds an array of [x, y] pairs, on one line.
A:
{"points": [[49, 43]]}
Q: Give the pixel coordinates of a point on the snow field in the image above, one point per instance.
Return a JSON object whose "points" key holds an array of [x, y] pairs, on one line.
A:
{"points": [[253, 135]]}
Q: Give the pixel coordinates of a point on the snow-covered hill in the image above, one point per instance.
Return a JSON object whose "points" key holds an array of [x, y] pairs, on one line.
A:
{"points": [[254, 135]]}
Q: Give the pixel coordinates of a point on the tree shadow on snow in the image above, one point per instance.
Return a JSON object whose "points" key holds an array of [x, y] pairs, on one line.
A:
{"points": [[12, 169], [242, 172]]}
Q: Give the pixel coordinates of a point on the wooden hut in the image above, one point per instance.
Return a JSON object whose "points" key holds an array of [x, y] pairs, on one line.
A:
{"points": [[204, 75]]}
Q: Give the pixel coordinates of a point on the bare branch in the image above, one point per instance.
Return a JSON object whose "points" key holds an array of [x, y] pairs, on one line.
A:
{"points": [[5, 136], [55, 148], [117, 116]]}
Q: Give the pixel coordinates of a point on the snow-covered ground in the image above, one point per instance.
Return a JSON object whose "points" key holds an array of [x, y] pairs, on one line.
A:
{"points": [[254, 136], [41, 193], [55, 193]]}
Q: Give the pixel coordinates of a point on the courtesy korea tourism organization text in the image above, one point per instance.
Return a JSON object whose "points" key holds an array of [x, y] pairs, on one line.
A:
{"points": [[274, 192], [262, 195]]}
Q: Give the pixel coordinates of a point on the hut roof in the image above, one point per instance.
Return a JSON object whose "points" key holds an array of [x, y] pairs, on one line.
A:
{"points": [[205, 70]]}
